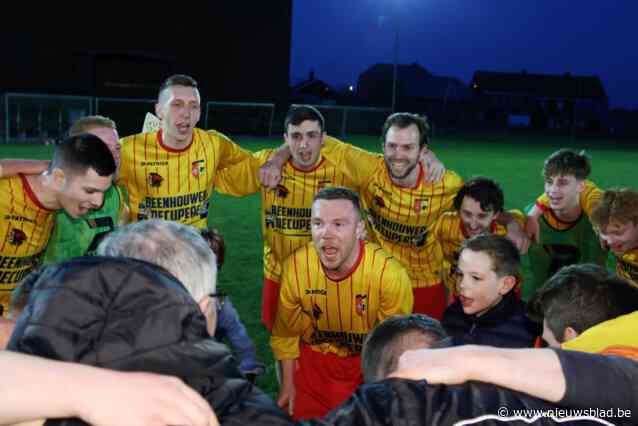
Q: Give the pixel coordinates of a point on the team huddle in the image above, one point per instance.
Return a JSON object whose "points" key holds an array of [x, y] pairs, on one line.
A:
{"points": [[351, 238]]}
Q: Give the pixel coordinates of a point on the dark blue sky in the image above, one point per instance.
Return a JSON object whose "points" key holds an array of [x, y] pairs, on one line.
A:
{"points": [[341, 38]]}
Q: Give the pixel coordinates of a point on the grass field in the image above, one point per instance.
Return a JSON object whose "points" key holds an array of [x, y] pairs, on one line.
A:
{"points": [[515, 162]]}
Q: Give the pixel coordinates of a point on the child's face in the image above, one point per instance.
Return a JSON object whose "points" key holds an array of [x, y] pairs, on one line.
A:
{"points": [[620, 237], [478, 285], [563, 191]]}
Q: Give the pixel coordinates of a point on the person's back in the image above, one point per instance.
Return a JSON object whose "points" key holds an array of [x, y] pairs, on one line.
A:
{"points": [[487, 312], [109, 324]]}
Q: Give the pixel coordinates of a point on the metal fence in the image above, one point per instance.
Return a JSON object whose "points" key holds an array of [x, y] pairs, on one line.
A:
{"points": [[30, 118], [347, 120], [253, 118]]}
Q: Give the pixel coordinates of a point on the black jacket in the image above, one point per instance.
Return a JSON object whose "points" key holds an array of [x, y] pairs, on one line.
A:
{"points": [[129, 315], [411, 403], [505, 325]]}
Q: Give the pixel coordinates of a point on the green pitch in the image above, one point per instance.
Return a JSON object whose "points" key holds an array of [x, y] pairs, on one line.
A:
{"points": [[515, 162]]}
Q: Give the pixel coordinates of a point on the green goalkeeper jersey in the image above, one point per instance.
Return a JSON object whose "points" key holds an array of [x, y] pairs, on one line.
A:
{"points": [[561, 244], [79, 237]]}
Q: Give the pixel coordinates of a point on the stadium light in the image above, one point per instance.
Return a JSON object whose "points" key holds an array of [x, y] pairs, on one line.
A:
{"points": [[395, 21], [396, 63]]}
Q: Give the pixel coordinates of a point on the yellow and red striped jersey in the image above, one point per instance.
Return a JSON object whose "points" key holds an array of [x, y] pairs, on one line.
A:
{"points": [[335, 316], [400, 217], [627, 266], [164, 183], [589, 198], [449, 232], [285, 212], [25, 228]]}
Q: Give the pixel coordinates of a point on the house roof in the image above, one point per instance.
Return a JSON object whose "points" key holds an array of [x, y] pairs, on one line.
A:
{"points": [[539, 85], [417, 81], [314, 87]]}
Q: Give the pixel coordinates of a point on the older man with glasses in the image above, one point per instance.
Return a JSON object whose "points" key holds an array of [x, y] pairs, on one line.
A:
{"points": [[148, 302]]}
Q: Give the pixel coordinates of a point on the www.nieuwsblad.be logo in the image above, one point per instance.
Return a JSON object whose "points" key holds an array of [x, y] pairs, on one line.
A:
{"points": [[555, 415]]}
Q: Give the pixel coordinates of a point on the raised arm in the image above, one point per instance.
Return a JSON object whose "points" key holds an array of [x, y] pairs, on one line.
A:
{"points": [[536, 372], [9, 168], [37, 388]]}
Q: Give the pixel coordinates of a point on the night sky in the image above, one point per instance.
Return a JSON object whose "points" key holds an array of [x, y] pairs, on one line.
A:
{"points": [[339, 39]]}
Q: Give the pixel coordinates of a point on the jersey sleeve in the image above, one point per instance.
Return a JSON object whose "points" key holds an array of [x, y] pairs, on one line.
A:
{"points": [[590, 197], [453, 182], [241, 179], [290, 321], [396, 293], [354, 162], [229, 152]]}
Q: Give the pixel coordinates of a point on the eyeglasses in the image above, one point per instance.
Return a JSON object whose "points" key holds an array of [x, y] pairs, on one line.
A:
{"points": [[220, 299]]}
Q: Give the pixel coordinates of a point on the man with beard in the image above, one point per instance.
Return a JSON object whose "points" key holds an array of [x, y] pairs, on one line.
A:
{"points": [[333, 292], [401, 207]]}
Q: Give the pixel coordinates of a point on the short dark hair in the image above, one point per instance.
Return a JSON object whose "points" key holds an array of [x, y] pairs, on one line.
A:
{"points": [[506, 259], [84, 124], [177, 80], [339, 193], [385, 344], [580, 297], [483, 190], [20, 294], [406, 119], [297, 114], [76, 154], [216, 243], [567, 162]]}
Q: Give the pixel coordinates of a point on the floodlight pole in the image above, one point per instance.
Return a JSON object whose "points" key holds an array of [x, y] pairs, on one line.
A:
{"points": [[396, 62]]}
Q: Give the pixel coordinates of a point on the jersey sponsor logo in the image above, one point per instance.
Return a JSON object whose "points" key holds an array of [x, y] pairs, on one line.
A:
{"points": [[13, 269], [398, 232], [197, 167], [283, 218], [352, 342], [155, 179], [177, 208], [360, 304], [17, 237]]}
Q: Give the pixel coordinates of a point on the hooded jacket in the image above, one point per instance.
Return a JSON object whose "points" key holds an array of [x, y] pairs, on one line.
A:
{"points": [[129, 315], [505, 325]]}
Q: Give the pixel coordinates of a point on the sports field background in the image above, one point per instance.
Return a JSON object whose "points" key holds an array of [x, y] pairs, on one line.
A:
{"points": [[513, 161]]}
